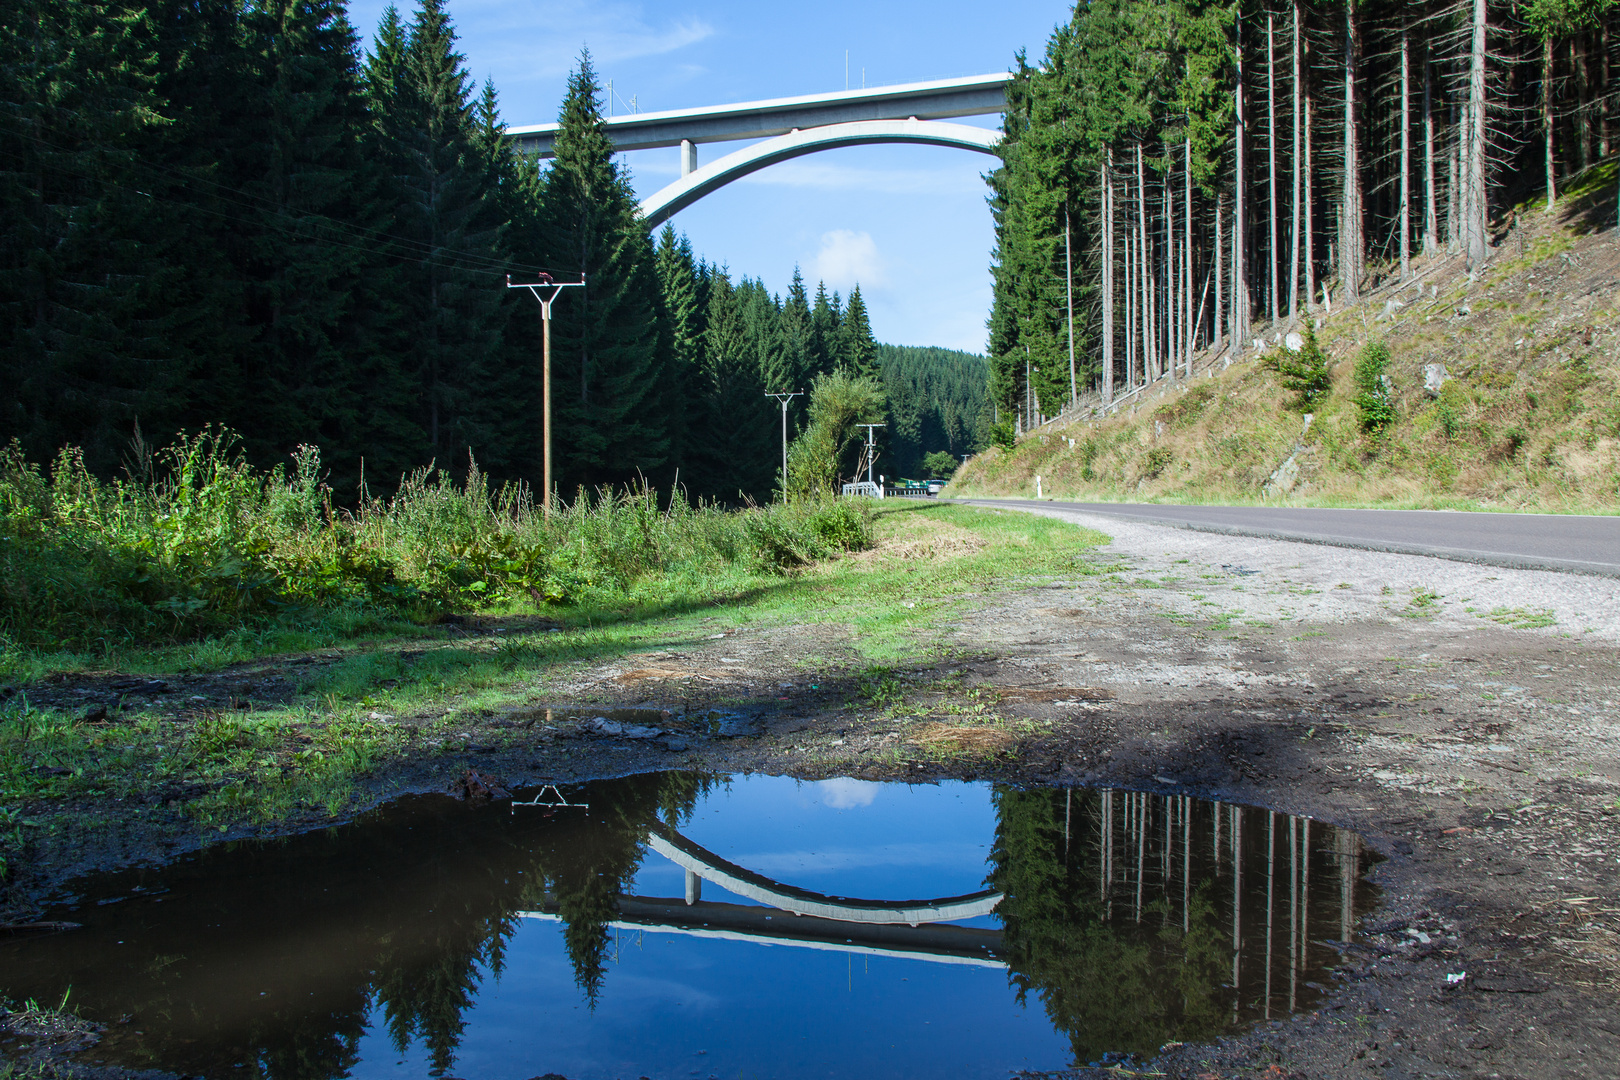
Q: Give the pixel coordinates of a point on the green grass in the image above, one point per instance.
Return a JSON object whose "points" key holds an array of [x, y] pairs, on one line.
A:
{"points": [[423, 693]]}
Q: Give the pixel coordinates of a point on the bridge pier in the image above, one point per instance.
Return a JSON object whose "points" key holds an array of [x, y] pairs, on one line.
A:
{"points": [[694, 887], [688, 157]]}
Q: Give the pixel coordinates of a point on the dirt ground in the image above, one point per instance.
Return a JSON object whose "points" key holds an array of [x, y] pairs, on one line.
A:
{"points": [[1462, 719]]}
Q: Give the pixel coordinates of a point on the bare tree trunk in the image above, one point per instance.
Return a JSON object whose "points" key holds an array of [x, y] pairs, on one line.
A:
{"points": [[1172, 272], [1406, 154], [1271, 164], [1583, 85], [1130, 294], [1454, 184], [1475, 162], [1145, 267], [1186, 262], [1293, 253], [1107, 190], [1240, 285], [1068, 292], [1220, 328], [1309, 185], [1547, 118], [1431, 219], [1350, 215], [1608, 93]]}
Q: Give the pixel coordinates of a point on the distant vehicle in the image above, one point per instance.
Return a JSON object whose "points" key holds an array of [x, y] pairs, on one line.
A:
{"points": [[936, 486]]}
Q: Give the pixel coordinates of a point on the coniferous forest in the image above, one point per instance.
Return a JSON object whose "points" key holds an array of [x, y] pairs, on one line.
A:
{"points": [[224, 212], [1175, 174]]}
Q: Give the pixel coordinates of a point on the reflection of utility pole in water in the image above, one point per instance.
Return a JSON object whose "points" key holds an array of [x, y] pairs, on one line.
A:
{"points": [[1237, 903], [1217, 838]]}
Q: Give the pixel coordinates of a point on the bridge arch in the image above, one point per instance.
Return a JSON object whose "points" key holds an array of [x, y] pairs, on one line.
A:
{"points": [[699, 862], [664, 204]]}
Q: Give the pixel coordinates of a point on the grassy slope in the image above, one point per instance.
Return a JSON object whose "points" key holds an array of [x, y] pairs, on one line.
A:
{"points": [[1531, 420]]}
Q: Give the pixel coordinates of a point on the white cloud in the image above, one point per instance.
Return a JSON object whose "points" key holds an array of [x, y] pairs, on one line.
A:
{"points": [[847, 259], [528, 40], [845, 793]]}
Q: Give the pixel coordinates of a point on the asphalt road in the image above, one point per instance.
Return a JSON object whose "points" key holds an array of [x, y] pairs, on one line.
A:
{"points": [[1566, 542]]}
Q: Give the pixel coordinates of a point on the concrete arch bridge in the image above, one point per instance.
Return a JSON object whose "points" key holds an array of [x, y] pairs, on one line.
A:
{"points": [[914, 929], [792, 127]]}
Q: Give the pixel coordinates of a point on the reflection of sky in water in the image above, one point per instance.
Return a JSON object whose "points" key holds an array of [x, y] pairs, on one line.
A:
{"points": [[677, 1006], [843, 837]]}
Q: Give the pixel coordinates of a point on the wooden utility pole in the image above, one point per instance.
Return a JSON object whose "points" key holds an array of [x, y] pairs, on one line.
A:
{"points": [[556, 288]]}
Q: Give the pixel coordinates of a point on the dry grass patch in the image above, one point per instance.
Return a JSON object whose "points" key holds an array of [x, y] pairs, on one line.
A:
{"points": [[937, 735], [924, 538]]}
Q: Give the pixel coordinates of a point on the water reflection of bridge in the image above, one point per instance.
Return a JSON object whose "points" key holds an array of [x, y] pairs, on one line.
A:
{"points": [[914, 929]]}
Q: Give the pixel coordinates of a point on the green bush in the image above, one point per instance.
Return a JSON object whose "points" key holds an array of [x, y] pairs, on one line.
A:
{"points": [[1305, 372], [203, 544], [1374, 402]]}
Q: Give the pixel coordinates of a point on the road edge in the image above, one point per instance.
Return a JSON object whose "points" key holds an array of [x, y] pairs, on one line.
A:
{"points": [[1464, 555]]}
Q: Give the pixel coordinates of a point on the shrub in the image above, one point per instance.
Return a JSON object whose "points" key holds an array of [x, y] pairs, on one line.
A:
{"points": [[1373, 399], [1158, 459], [1304, 372], [203, 544]]}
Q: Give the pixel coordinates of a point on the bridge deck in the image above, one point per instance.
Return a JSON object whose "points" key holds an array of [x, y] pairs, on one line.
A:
{"points": [[975, 95]]}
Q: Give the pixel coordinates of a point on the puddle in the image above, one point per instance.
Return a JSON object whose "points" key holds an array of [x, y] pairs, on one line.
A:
{"points": [[674, 925]]}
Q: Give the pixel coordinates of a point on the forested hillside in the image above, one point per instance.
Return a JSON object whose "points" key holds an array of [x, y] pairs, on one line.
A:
{"points": [[1497, 387], [223, 212], [938, 404], [1175, 173]]}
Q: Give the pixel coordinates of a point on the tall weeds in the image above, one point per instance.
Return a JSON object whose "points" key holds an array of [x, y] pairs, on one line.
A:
{"points": [[195, 542]]}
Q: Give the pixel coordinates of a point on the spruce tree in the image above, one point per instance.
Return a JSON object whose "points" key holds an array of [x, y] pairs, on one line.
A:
{"points": [[679, 285], [605, 341], [857, 351], [734, 444]]}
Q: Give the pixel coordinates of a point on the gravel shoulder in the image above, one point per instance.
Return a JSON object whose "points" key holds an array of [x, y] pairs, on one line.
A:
{"points": [[1460, 717]]}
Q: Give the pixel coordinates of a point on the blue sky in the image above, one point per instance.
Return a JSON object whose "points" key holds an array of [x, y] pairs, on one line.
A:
{"points": [[909, 223]]}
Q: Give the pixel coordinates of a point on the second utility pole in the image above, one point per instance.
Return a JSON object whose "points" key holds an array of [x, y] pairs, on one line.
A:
{"points": [[784, 397], [556, 288]]}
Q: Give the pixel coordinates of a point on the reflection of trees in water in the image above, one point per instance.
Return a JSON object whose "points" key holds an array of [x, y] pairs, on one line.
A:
{"points": [[580, 862], [586, 868], [1137, 921]]}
